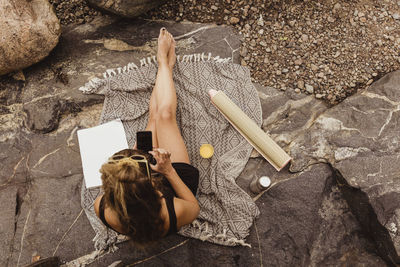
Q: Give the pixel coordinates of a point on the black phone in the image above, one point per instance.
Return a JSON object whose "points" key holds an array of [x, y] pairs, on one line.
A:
{"points": [[144, 142]]}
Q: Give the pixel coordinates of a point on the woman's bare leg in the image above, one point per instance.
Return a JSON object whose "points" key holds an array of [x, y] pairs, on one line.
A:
{"points": [[164, 97], [151, 124]]}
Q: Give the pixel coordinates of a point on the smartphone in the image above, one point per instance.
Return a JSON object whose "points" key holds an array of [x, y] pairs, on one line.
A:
{"points": [[144, 142]]}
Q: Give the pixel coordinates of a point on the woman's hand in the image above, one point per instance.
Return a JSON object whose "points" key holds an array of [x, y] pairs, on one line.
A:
{"points": [[163, 159]]}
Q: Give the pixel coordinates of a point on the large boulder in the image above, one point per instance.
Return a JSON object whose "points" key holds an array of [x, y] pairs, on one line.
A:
{"points": [[360, 139], [30, 30], [127, 8]]}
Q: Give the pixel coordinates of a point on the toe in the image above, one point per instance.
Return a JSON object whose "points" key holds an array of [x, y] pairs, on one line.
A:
{"points": [[163, 31]]}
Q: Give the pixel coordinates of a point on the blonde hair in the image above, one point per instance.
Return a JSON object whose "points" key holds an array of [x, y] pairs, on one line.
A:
{"points": [[131, 194]]}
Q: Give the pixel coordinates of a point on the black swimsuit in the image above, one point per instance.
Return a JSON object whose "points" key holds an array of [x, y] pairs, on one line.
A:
{"points": [[188, 174]]}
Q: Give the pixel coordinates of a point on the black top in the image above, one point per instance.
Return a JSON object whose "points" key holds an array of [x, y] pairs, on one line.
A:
{"points": [[188, 174]]}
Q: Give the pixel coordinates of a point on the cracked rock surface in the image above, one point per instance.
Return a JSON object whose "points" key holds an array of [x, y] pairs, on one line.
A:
{"points": [[307, 216], [360, 139]]}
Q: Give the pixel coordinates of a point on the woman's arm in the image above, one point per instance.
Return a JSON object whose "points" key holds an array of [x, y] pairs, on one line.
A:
{"points": [[187, 206]]}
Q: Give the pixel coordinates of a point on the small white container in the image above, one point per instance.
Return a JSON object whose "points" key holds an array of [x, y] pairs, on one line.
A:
{"points": [[260, 184]]}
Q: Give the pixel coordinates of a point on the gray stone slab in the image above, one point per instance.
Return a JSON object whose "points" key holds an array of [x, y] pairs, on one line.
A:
{"points": [[360, 139], [8, 207], [50, 209]]}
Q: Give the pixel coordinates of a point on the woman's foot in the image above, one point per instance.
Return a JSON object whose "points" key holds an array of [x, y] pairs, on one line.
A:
{"points": [[164, 44], [171, 54]]}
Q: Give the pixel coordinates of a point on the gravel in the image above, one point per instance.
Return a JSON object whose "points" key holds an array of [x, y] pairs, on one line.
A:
{"points": [[74, 11], [330, 49]]}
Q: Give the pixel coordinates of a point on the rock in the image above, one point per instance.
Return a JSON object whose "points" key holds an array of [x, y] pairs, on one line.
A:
{"points": [[234, 20], [309, 88], [314, 67], [282, 215], [298, 61], [243, 51], [127, 8], [330, 19], [19, 76], [43, 114], [359, 138], [300, 84], [318, 96], [9, 208], [260, 21], [30, 30], [396, 16], [336, 6]]}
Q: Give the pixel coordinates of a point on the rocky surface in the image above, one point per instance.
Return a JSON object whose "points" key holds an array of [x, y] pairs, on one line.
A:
{"points": [[307, 217], [126, 8], [326, 48], [360, 139], [74, 11], [330, 49], [30, 30]]}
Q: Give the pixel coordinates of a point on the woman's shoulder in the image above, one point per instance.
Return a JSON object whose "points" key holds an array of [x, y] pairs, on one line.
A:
{"points": [[110, 216]]}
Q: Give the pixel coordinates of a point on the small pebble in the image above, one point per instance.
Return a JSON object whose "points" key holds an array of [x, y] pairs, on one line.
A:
{"points": [[309, 88], [314, 67], [260, 21], [300, 84], [298, 61], [234, 20]]}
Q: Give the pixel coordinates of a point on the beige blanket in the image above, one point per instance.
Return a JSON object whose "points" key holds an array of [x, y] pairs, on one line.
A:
{"points": [[227, 212]]}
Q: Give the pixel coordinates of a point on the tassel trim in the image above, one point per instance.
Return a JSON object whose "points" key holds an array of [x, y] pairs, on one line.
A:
{"points": [[222, 238], [94, 84]]}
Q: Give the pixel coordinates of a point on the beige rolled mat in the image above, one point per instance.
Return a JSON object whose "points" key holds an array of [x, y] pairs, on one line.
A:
{"points": [[261, 141]]}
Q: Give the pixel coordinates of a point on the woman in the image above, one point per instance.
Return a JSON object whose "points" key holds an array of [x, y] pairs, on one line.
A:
{"points": [[136, 203]]}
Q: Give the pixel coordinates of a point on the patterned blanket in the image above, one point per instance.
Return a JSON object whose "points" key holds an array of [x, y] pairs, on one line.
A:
{"points": [[226, 211]]}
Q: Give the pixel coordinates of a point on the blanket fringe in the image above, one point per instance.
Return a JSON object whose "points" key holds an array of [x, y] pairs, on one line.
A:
{"points": [[94, 84], [222, 238]]}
